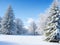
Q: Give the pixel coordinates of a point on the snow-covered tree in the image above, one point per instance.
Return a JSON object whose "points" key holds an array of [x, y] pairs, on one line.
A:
{"points": [[19, 26], [8, 26], [52, 29], [41, 24], [32, 28], [0, 22]]}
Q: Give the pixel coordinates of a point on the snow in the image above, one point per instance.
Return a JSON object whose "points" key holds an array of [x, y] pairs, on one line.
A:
{"points": [[23, 40]]}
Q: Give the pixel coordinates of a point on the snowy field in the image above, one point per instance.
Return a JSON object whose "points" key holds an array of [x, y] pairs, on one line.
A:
{"points": [[23, 40]]}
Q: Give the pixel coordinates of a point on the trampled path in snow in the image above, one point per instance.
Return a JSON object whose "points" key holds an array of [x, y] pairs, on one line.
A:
{"points": [[23, 40]]}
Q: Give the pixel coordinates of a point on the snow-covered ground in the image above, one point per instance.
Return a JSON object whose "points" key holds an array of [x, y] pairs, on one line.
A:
{"points": [[23, 40]]}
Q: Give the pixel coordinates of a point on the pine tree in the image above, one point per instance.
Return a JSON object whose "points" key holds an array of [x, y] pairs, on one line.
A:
{"points": [[8, 26], [52, 29]]}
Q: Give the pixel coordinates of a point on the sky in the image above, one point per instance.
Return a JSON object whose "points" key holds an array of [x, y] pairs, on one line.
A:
{"points": [[25, 9]]}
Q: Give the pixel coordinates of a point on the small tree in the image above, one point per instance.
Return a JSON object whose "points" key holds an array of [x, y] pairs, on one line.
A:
{"points": [[32, 28], [19, 26], [41, 24]]}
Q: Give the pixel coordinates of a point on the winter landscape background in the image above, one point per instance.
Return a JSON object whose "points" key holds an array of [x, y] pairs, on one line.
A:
{"points": [[30, 22]]}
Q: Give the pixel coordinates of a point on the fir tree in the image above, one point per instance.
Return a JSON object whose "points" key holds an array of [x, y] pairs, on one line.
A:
{"points": [[52, 29], [7, 23]]}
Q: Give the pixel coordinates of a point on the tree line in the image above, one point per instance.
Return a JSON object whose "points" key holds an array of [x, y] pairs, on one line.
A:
{"points": [[10, 25]]}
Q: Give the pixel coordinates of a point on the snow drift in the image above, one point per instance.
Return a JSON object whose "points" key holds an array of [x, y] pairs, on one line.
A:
{"points": [[23, 40]]}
